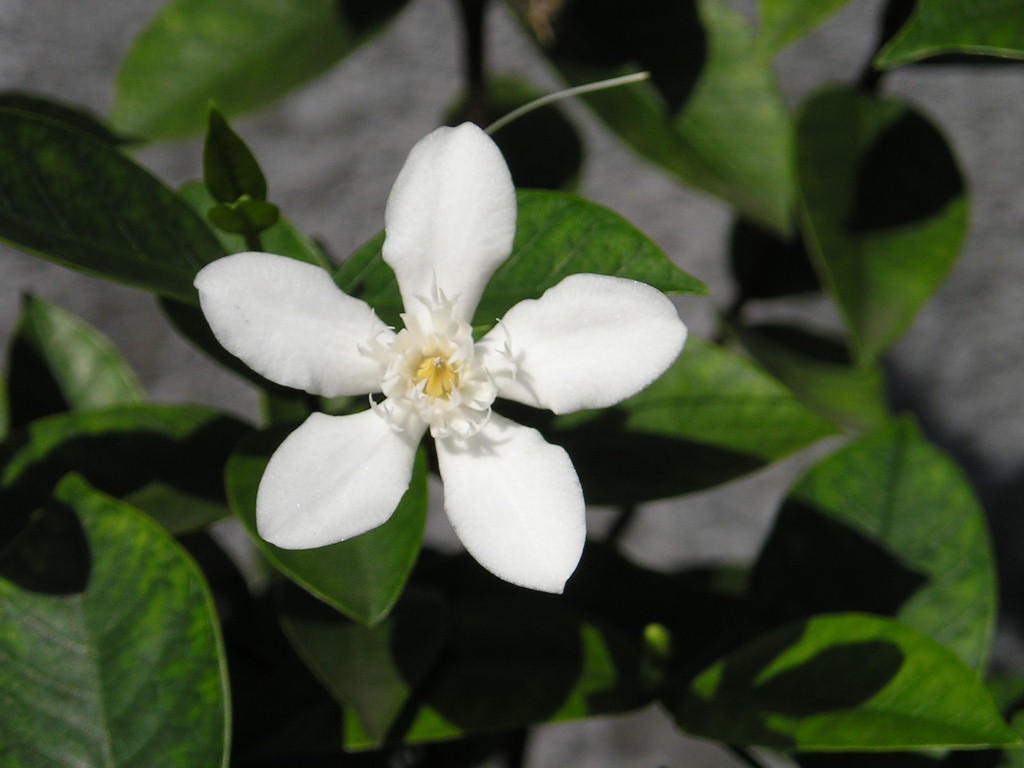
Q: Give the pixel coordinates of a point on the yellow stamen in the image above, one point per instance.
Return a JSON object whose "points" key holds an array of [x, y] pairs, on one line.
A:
{"points": [[439, 377]]}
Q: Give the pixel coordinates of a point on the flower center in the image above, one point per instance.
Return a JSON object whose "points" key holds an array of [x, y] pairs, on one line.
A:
{"points": [[434, 373], [438, 375]]}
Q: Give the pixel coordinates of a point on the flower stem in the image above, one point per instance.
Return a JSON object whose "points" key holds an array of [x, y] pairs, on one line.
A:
{"points": [[601, 85]]}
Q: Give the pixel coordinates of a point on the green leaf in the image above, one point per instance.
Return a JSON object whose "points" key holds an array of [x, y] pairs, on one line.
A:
{"points": [[120, 450], [71, 198], [786, 21], [884, 208], [981, 27], [361, 577], [57, 352], [435, 671], [712, 114], [69, 115], [711, 417], [176, 510], [820, 373], [229, 168], [127, 672], [242, 54], [888, 525], [371, 670], [557, 235], [843, 682]]}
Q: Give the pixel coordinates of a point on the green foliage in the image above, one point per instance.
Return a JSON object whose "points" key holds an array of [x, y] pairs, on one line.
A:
{"points": [[712, 114], [71, 198], [889, 525], [242, 54], [361, 577], [120, 665], [839, 682], [557, 235], [712, 417], [883, 234], [59, 362], [786, 21], [979, 27], [865, 623]]}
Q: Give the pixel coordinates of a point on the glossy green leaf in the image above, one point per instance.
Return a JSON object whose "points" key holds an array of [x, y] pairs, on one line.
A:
{"points": [[70, 115], [889, 525], [843, 682], [120, 450], [712, 114], [711, 417], [786, 21], [361, 577], [59, 362], [884, 208], [229, 168], [71, 198], [176, 510], [980, 27], [820, 373], [242, 54], [127, 672], [557, 235]]}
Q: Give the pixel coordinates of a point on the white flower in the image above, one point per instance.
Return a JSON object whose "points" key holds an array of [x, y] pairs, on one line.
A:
{"points": [[514, 499]]}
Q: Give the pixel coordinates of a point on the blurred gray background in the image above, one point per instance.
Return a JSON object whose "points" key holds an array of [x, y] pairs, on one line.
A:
{"points": [[331, 152]]}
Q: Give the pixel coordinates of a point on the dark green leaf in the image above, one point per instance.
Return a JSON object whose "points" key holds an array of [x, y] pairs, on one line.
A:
{"points": [[68, 115], [843, 682], [557, 235], [820, 373], [542, 148], [176, 510], [127, 672], [59, 362], [888, 525], [120, 450], [370, 670], [4, 409], [786, 21], [242, 54], [981, 27], [71, 198], [521, 659], [361, 577], [229, 168], [884, 208], [711, 115], [711, 417]]}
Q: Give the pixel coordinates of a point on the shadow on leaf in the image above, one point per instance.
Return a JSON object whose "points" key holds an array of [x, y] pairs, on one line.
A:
{"points": [[908, 175]]}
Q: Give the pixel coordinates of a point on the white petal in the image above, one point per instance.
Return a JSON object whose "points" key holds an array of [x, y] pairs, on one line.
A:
{"points": [[333, 478], [289, 322], [515, 502], [588, 342], [451, 217]]}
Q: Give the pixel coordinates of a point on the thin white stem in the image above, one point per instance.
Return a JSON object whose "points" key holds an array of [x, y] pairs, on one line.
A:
{"points": [[501, 122]]}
